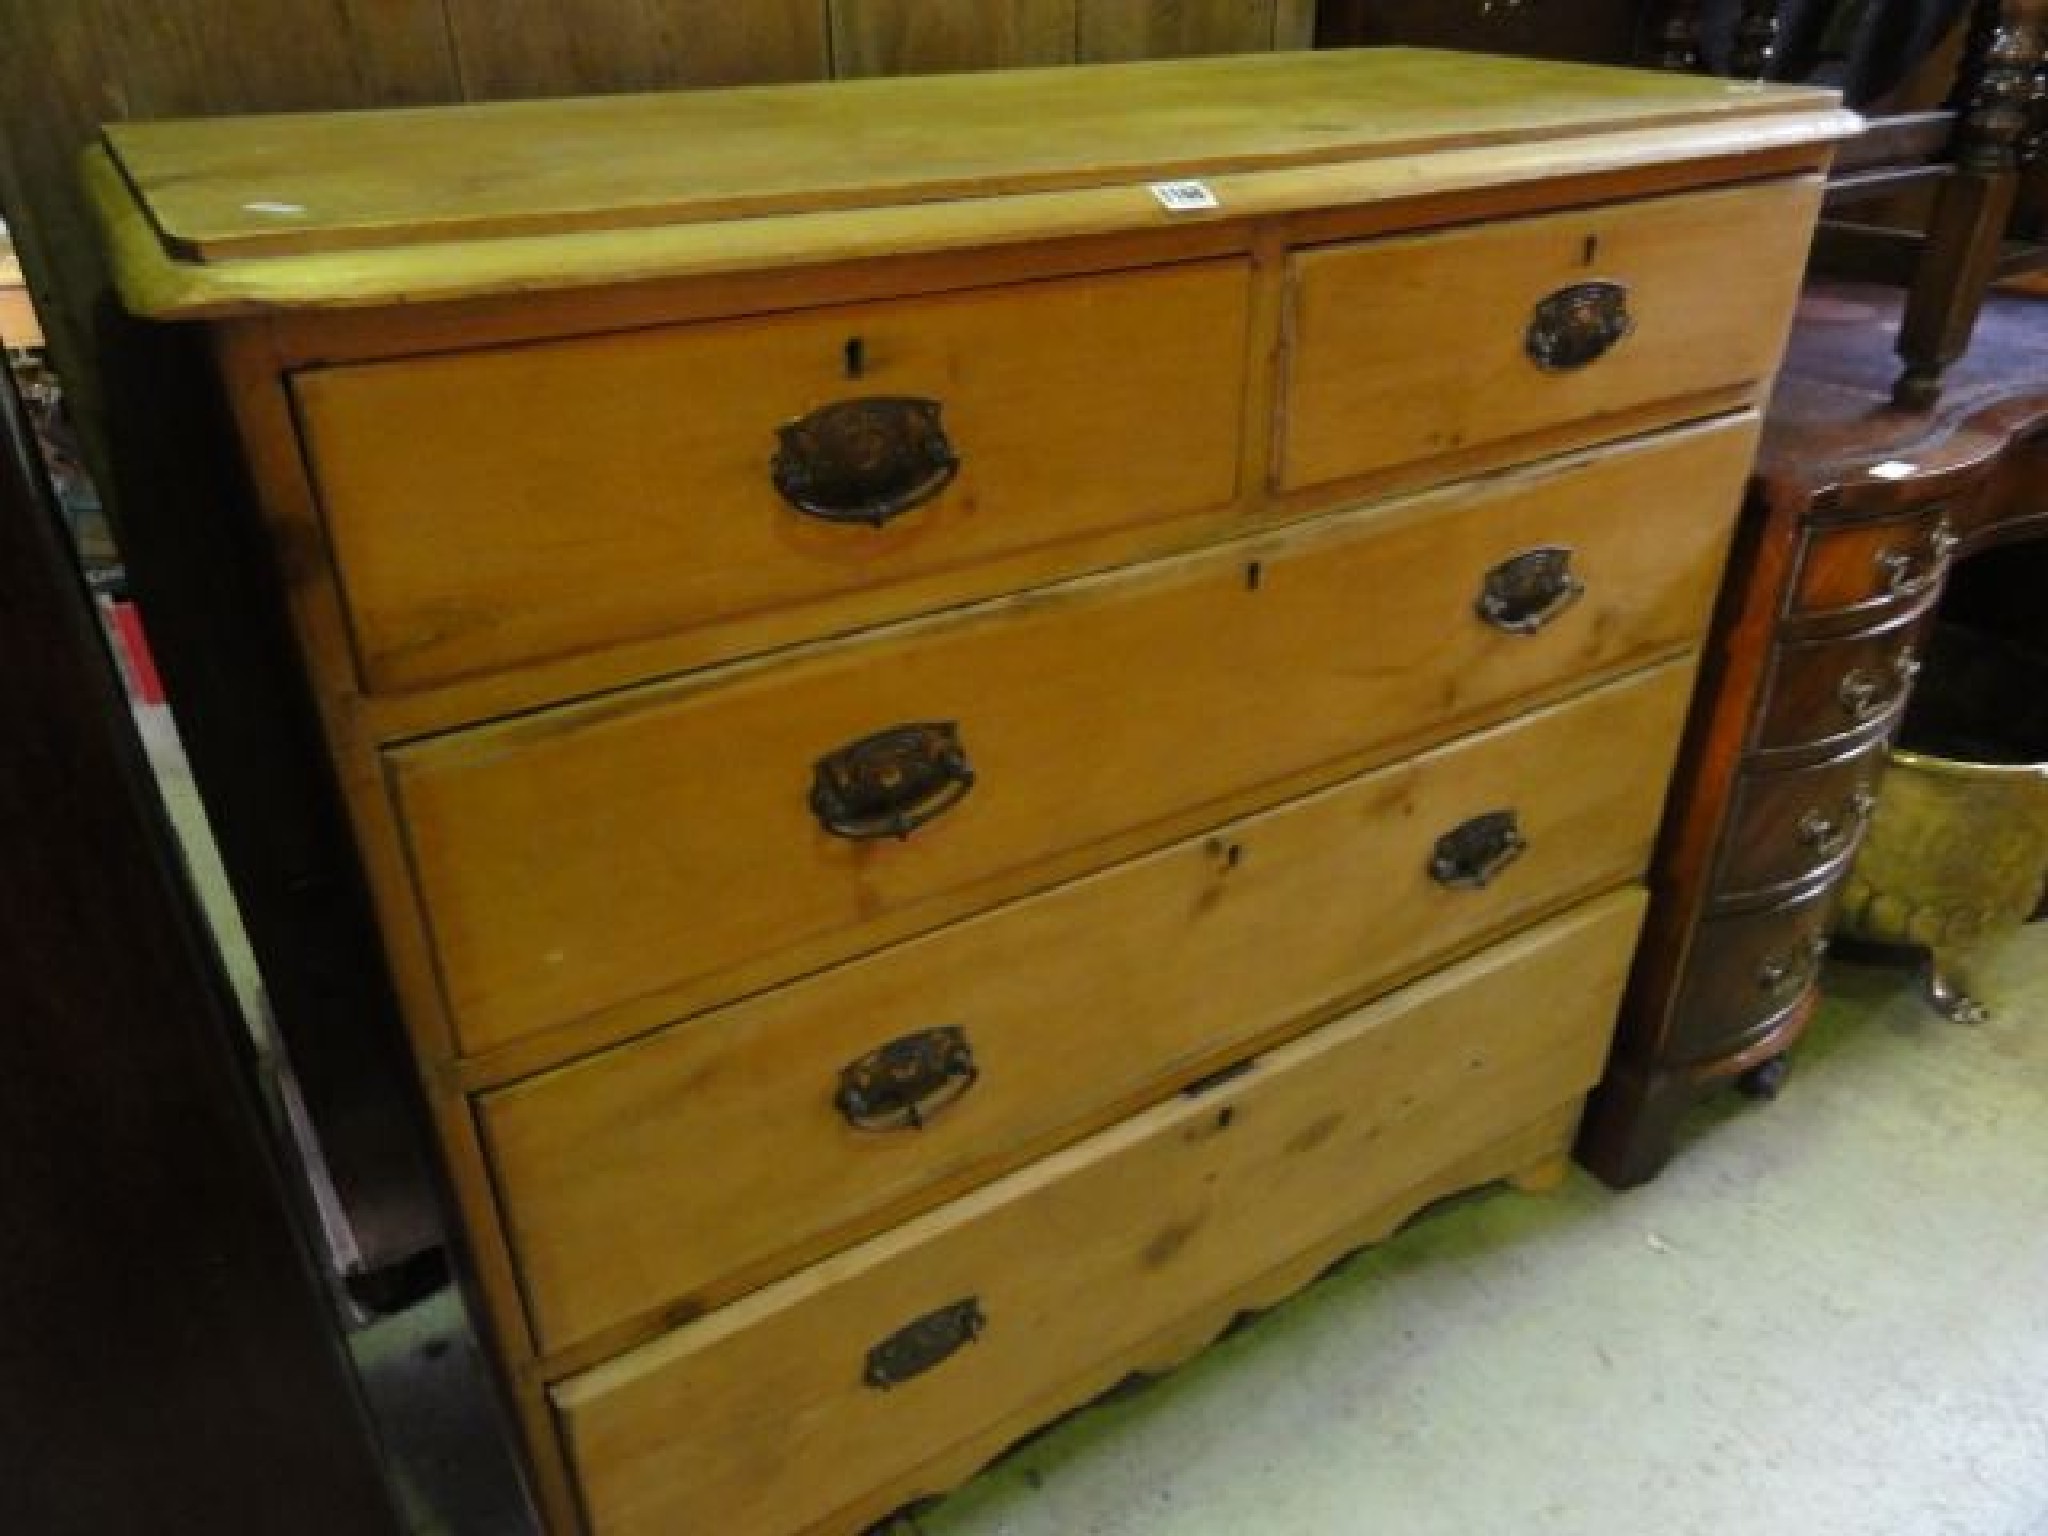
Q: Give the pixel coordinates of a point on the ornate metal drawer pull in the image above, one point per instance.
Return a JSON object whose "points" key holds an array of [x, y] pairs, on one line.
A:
{"points": [[1907, 573], [1577, 325], [916, 1347], [1473, 852], [901, 1085], [1784, 976], [1828, 835], [1865, 694], [1527, 591], [891, 783], [864, 461]]}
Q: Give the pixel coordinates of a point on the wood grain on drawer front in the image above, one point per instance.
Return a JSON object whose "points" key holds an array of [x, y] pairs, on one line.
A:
{"points": [[1220, 940], [643, 846], [1407, 348], [491, 508], [757, 1420]]}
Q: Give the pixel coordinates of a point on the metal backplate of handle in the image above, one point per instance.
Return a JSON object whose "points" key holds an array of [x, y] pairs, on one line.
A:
{"points": [[1576, 325], [1829, 835], [1908, 573], [1782, 976], [1866, 693], [1525, 592], [1469, 855], [891, 783], [864, 461], [931, 1340], [901, 1085]]}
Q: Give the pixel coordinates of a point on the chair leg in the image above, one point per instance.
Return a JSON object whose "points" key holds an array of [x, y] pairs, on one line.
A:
{"points": [[1966, 235]]}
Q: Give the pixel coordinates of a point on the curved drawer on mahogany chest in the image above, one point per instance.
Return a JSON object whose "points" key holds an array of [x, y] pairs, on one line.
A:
{"points": [[1747, 974], [1830, 693], [1790, 825], [1871, 569]]}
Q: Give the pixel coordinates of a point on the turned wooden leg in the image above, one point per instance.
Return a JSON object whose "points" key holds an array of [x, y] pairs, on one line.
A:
{"points": [[1756, 40], [1630, 1123], [1965, 236], [1676, 42]]}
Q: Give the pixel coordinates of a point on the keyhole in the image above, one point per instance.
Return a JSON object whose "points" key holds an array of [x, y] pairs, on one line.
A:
{"points": [[1592, 250], [856, 357]]}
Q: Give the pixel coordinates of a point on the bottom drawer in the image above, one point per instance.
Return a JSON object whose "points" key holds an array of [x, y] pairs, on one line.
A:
{"points": [[1746, 973], [795, 1408]]}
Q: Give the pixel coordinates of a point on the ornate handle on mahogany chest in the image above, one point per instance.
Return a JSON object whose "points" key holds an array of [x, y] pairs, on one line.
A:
{"points": [[1527, 591], [931, 1340], [1783, 976], [1864, 694], [1577, 325], [891, 783], [1470, 854], [864, 461], [901, 1085], [1828, 835], [1907, 574]]}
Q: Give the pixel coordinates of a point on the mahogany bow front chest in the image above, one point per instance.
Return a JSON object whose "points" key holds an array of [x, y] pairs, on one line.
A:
{"points": [[989, 718]]}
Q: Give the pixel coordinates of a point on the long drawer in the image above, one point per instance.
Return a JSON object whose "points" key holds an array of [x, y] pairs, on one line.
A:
{"points": [[778, 1412], [828, 1104], [636, 852], [1430, 344], [491, 508]]}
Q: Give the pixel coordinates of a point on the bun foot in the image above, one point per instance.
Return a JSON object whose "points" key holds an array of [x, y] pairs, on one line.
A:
{"points": [[1543, 1178], [1766, 1080]]}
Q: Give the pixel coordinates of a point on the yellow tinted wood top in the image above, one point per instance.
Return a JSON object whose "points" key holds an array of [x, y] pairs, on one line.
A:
{"points": [[363, 207]]}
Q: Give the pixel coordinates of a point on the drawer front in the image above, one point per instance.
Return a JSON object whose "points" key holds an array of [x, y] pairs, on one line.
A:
{"points": [[778, 1412], [641, 849], [1829, 691], [1789, 826], [1408, 348], [1872, 567], [1745, 973], [1221, 940], [493, 508]]}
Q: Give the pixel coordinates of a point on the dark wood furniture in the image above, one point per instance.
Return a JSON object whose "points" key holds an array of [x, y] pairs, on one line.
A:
{"points": [[168, 1362], [1857, 512], [1952, 121]]}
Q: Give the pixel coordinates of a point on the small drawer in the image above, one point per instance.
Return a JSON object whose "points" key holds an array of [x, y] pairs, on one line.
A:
{"points": [[1408, 348], [641, 848], [1835, 691], [802, 1405], [845, 1096], [1871, 567], [1745, 974], [1789, 826], [489, 509]]}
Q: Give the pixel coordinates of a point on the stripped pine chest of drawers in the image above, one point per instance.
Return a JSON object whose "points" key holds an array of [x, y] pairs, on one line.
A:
{"points": [[987, 718]]}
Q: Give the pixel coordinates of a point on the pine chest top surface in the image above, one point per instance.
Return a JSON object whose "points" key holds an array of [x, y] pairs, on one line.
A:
{"points": [[210, 216]]}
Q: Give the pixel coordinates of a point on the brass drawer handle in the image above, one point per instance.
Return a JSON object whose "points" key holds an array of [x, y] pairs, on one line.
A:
{"points": [[1865, 694], [891, 783], [916, 1347], [1528, 591], [1909, 574], [901, 1085], [864, 461], [1577, 325], [1828, 835], [1470, 854], [1784, 976]]}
